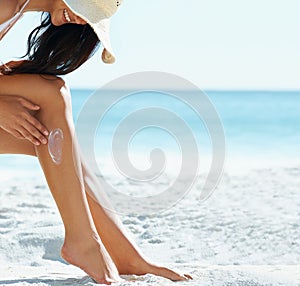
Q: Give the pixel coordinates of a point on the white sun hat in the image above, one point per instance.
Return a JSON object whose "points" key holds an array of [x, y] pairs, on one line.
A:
{"points": [[97, 14]]}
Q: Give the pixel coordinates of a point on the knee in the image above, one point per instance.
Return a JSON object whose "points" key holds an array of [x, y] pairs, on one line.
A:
{"points": [[57, 94], [51, 93]]}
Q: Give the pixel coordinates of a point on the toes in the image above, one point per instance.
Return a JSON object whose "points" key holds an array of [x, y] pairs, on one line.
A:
{"points": [[159, 271], [170, 274], [188, 276]]}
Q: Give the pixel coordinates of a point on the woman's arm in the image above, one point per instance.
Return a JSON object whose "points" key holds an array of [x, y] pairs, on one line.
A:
{"points": [[16, 116], [8, 8]]}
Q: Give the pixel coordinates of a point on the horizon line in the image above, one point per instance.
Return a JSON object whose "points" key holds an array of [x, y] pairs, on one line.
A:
{"points": [[203, 89]]}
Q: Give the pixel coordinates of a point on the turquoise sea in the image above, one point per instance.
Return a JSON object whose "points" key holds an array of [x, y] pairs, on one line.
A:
{"points": [[246, 233], [261, 127]]}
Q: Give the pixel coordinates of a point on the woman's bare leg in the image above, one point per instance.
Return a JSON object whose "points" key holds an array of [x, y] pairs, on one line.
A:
{"points": [[82, 246], [122, 250]]}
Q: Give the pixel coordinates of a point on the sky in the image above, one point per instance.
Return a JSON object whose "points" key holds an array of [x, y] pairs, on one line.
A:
{"points": [[215, 44]]}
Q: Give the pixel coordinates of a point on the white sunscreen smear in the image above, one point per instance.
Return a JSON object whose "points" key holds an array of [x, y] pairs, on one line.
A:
{"points": [[55, 145]]}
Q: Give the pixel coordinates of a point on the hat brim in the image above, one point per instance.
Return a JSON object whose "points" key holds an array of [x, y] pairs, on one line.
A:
{"points": [[100, 24]]}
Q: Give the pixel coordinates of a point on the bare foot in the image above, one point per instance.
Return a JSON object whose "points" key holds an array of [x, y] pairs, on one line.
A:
{"points": [[142, 267], [92, 257], [168, 273]]}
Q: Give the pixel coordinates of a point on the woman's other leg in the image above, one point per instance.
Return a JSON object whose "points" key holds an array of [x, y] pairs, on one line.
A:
{"points": [[115, 238]]}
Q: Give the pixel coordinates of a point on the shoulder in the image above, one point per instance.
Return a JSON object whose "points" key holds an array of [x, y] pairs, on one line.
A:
{"points": [[7, 9]]}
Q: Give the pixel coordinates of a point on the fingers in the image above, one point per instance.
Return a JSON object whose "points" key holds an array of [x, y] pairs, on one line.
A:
{"points": [[35, 128], [22, 133], [15, 133], [28, 104], [34, 134], [17, 119], [27, 135], [37, 124], [31, 129]]}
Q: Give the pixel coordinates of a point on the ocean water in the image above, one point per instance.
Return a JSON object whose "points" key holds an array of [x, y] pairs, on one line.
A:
{"points": [[246, 233], [261, 128]]}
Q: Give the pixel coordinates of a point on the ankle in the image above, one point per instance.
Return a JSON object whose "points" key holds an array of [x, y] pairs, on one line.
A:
{"points": [[78, 237], [81, 242]]}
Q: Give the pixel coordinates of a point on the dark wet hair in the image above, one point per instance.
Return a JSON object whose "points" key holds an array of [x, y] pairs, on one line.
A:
{"points": [[57, 50]]}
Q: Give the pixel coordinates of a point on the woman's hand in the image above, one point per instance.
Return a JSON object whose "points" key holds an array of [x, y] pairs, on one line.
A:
{"points": [[16, 118]]}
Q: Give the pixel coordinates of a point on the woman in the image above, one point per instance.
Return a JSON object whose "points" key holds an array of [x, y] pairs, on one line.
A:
{"points": [[30, 94]]}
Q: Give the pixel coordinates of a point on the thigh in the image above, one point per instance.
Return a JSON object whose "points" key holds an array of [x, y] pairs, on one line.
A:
{"points": [[42, 90], [45, 91]]}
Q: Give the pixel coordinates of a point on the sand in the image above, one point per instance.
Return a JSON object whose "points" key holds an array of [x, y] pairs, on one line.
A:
{"points": [[247, 233]]}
